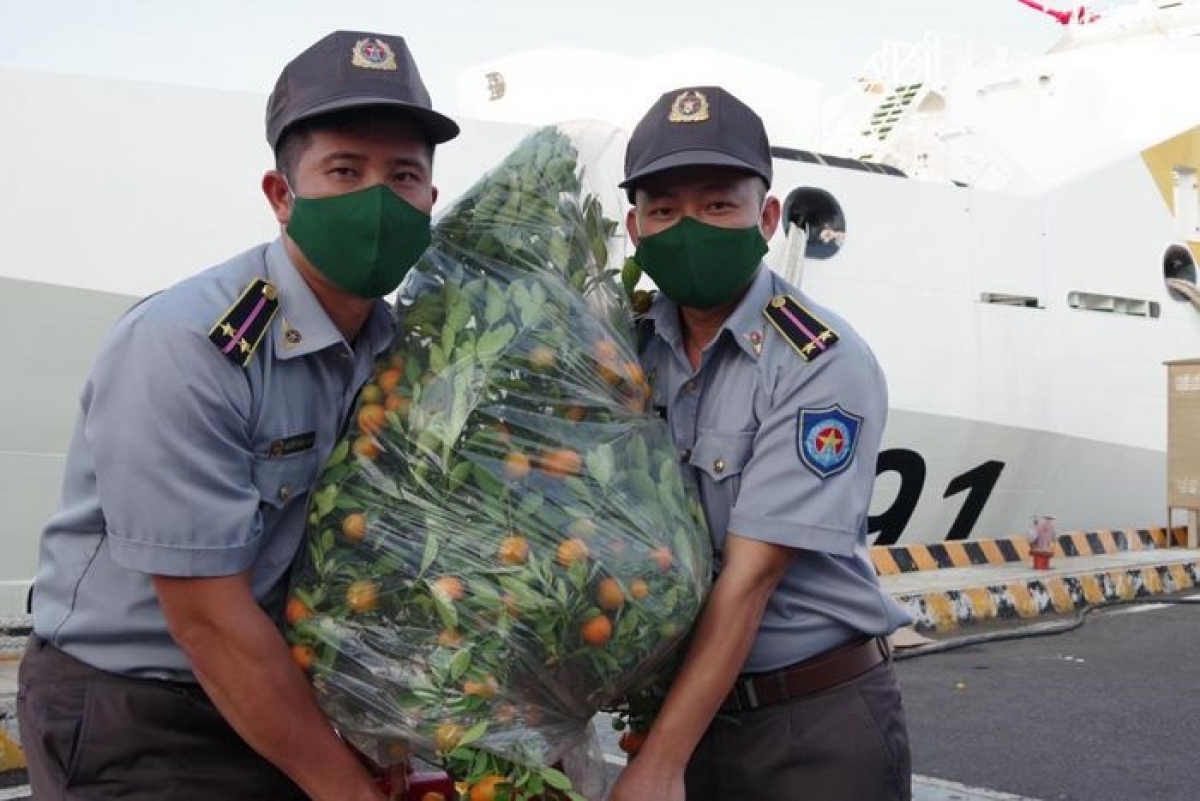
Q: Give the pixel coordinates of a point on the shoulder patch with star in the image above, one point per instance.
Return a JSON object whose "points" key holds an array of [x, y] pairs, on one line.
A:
{"points": [[803, 331], [240, 330], [826, 439]]}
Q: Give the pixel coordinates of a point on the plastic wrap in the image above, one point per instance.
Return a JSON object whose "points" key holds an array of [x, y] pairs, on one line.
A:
{"points": [[502, 543]]}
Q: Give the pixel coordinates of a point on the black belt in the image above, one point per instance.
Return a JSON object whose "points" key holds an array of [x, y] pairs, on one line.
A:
{"points": [[813, 675]]}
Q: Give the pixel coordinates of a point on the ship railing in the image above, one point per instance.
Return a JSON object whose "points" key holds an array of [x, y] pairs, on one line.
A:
{"points": [[904, 69]]}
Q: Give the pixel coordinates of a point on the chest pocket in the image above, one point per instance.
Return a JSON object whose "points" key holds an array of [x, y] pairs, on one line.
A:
{"points": [[721, 457], [283, 480]]}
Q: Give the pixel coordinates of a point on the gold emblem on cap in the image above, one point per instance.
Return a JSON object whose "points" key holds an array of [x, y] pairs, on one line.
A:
{"points": [[689, 106], [373, 54]]}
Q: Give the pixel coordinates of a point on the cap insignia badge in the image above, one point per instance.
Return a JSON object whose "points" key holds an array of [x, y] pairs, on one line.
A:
{"points": [[689, 106], [373, 54]]}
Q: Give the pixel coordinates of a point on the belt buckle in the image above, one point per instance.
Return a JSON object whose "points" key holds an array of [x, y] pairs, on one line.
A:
{"points": [[781, 677], [884, 644], [742, 697], [747, 696]]}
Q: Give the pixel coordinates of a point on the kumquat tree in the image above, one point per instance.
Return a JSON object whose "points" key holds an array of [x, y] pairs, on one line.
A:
{"points": [[503, 543]]}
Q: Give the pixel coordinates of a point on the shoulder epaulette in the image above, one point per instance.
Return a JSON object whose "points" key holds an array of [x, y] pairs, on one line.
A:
{"points": [[809, 336], [241, 328]]}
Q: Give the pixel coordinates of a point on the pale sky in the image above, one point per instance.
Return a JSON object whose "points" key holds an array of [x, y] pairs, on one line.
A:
{"points": [[242, 44]]}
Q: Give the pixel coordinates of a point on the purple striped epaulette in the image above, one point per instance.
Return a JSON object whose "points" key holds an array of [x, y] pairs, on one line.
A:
{"points": [[241, 328], [804, 332]]}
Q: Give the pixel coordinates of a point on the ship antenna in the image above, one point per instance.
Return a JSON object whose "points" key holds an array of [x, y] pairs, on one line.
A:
{"points": [[1081, 15]]}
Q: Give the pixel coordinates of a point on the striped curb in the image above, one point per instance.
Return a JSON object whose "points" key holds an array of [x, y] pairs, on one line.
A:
{"points": [[1051, 593], [949, 609], [896, 559]]}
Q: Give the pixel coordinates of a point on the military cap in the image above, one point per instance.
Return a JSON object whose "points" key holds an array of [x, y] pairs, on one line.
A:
{"points": [[701, 125], [353, 69]]}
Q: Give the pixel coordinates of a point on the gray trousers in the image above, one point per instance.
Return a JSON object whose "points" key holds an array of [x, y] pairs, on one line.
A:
{"points": [[91, 735], [848, 743]]}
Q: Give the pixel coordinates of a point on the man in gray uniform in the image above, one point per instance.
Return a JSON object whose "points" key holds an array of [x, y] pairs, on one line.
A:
{"points": [[778, 408], [157, 668]]}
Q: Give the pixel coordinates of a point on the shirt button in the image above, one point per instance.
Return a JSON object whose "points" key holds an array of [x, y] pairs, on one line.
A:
{"points": [[718, 465], [689, 386], [285, 492]]}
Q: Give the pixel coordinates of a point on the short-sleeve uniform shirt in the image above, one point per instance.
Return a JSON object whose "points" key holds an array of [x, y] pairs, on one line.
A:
{"points": [[186, 463], [783, 449]]}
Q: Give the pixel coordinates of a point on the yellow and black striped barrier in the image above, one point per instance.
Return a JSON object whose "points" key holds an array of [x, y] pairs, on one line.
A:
{"points": [[1013, 590]]}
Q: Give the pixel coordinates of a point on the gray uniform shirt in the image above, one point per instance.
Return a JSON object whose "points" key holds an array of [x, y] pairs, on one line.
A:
{"points": [[783, 451], [184, 463]]}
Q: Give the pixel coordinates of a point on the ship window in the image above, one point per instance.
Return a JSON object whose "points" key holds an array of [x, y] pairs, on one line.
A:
{"points": [[818, 214], [1005, 299], [1113, 304]]}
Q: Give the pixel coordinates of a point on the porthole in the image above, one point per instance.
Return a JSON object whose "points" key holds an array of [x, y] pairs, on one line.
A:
{"points": [[818, 213], [1178, 266]]}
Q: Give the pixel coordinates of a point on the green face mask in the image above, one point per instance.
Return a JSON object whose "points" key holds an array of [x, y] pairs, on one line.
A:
{"points": [[364, 242], [700, 265]]}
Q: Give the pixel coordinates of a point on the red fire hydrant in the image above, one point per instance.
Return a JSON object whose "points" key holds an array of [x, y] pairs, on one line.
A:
{"points": [[1041, 541]]}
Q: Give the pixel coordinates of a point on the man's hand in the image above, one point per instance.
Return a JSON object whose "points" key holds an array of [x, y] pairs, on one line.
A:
{"points": [[242, 661], [719, 646], [644, 781]]}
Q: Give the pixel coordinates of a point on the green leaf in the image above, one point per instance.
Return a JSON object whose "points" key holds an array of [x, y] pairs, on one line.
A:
{"points": [[532, 315], [577, 486], [578, 573], [631, 273], [556, 779], [324, 499], [486, 481], [446, 611], [446, 346], [642, 484], [459, 665], [339, 453], [600, 463], [474, 733], [638, 453], [459, 474], [430, 553], [530, 504], [497, 305], [457, 317], [437, 358], [491, 343]]}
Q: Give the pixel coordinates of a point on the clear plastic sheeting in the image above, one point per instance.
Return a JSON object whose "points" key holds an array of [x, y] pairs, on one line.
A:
{"points": [[503, 543]]}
